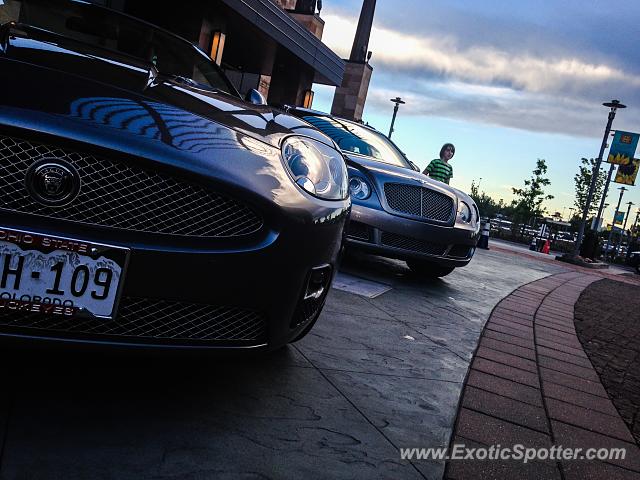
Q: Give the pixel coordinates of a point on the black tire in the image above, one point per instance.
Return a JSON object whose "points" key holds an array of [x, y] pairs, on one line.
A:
{"points": [[429, 269]]}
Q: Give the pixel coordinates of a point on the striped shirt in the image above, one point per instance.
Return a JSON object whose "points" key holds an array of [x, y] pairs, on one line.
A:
{"points": [[439, 170]]}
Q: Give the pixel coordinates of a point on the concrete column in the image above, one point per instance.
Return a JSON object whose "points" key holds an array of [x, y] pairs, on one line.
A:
{"points": [[350, 97], [361, 41], [311, 22]]}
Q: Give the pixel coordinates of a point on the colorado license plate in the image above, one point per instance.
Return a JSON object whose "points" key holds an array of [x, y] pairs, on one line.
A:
{"points": [[59, 276]]}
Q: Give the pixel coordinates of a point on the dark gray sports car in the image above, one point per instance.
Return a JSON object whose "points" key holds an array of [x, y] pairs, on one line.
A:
{"points": [[397, 211], [143, 202]]}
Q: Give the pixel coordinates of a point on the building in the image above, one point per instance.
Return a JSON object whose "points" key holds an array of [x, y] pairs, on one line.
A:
{"points": [[274, 46]]}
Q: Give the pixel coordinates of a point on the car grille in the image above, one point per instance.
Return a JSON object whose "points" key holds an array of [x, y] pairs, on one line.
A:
{"points": [[121, 196], [419, 201], [406, 243], [146, 319], [359, 231]]}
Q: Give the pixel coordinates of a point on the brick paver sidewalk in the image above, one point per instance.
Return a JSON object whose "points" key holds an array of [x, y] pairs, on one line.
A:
{"points": [[531, 383]]}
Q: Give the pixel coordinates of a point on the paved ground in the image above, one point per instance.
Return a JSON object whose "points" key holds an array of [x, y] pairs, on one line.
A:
{"points": [[608, 326], [374, 375], [531, 383]]}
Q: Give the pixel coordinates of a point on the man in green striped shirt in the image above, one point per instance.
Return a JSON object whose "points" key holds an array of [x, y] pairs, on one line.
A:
{"points": [[439, 168]]}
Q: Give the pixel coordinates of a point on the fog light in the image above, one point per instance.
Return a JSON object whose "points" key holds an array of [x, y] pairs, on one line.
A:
{"points": [[319, 280]]}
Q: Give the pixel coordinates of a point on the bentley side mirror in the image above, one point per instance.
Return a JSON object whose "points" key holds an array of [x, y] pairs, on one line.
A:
{"points": [[255, 97], [414, 166]]}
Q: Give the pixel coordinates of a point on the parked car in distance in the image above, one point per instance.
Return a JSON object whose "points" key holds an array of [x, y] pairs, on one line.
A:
{"points": [[565, 236], [634, 260], [398, 212], [144, 203]]}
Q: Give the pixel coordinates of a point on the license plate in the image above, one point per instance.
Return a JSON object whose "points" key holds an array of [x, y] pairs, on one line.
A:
{"points": [[59, 276]]}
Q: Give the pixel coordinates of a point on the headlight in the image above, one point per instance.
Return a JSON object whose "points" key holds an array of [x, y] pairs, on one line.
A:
{"points": [[316, 168], [464, 212], [359, 188]]}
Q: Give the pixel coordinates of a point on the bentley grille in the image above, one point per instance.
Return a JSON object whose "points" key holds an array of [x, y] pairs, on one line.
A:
{"points": [[419, 201], [118, 195]]}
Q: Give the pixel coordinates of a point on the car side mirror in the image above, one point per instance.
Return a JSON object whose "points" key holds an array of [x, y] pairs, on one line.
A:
{"points": [[255, 97], [414, 166]]}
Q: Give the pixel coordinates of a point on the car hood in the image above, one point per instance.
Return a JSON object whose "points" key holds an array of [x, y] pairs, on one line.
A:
{"points": [[377, 169], [99, 75]]}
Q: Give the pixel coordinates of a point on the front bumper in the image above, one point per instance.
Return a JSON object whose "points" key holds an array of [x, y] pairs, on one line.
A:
{"points": [[227, 293], [193, 297], [392, 236]]}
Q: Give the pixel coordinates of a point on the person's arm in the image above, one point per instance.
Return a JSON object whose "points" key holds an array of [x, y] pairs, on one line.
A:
{"points": [[427, 171]]}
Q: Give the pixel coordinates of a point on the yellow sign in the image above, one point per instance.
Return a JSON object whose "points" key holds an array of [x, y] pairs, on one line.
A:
{"points": [[627, 172]]}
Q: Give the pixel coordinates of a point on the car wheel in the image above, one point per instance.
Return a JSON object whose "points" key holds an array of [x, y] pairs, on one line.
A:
{"points": [[429, 269]]}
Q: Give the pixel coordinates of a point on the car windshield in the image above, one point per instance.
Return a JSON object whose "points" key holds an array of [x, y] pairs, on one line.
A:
{"points": [[355, 138], [119, 33]]}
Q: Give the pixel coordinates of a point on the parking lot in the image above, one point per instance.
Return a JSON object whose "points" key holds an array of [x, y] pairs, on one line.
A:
{"points": [[375, 375]]}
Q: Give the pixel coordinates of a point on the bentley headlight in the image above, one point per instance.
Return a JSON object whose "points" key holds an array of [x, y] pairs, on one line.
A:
{"points": [[359, 188], [464, 212], [316, 168]]}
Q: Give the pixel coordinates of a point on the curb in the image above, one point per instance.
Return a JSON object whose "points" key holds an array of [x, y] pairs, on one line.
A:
{"points": [[531, 383]]}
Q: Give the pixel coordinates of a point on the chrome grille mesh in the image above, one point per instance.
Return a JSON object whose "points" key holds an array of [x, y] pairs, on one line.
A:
{"points": [[406, 243], [419, 201], [122, 196], [141, 318]]}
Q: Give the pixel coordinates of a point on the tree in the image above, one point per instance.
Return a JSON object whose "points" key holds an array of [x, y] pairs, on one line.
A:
{"points": [[487, 206], [528, 201], [582, 180]]}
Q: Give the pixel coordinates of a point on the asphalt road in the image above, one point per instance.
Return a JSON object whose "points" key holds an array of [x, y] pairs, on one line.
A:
{"points": [[375, 375]]}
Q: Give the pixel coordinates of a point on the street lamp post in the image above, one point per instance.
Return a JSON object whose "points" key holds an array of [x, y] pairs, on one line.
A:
{"points": [[622, 190], [605, 192], [624, 228], [398, 101], [613, 106]]}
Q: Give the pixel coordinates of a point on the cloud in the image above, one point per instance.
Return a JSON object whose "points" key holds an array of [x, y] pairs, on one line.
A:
{"points": [[442, 56], [489, 105], [439, 75]]}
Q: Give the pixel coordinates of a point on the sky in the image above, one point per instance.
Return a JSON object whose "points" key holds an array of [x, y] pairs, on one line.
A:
{"points": [[506, 82]]}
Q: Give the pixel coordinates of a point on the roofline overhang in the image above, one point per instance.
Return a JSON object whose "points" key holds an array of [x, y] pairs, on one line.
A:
{"points": [[277, 24]]}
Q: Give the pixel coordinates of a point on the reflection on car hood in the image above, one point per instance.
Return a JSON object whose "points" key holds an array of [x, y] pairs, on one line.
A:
{"points": [[124, 81]]}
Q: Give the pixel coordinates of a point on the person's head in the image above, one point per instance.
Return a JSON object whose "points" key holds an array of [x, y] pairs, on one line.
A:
{"points": [[447, 151]]}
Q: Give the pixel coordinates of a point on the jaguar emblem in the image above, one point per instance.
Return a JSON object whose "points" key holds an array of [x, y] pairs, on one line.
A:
{"points": [[53, 182]]}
